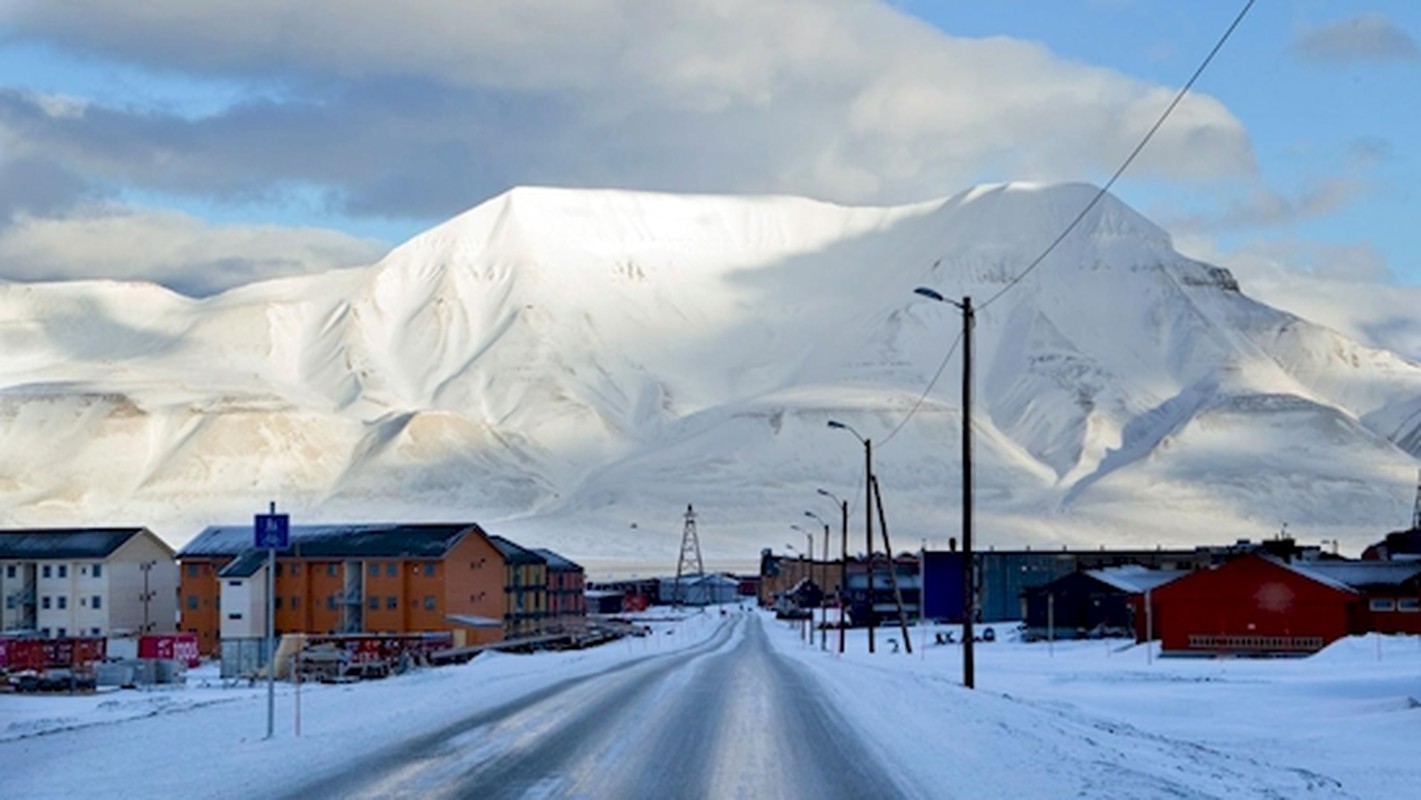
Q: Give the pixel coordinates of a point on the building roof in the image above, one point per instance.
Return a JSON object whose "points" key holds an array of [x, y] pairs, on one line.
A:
{"points": [[63, 543], [515, 553], [556, 562], [1307, 571], [1135, 578], [244, 566], [337, 541], [1358, 574]]}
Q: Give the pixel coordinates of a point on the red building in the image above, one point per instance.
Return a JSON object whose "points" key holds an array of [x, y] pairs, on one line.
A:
{"points": [[1254, 605], [567, 589], [1391, 593]]}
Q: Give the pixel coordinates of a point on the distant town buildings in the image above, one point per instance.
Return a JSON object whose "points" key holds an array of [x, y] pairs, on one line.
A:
{"points": [[391, 578], [66, 582]]}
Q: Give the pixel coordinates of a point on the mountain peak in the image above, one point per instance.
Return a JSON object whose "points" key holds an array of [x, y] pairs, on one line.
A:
{"points": [[1020, 212]]}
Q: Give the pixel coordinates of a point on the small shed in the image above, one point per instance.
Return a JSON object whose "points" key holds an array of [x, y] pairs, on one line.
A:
{"points": [[1093, 603], [1256, 604]]}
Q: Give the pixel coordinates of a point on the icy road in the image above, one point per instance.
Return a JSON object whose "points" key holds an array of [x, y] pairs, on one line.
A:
{"points": [[728, 718]]}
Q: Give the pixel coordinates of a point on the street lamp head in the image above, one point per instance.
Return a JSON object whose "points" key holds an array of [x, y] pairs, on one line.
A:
{"points": [[931, 294], [837, 425]]}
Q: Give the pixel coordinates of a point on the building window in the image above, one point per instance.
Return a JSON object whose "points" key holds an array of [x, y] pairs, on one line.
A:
{"points": [[44, 632], [276, 602], [392, 603], [295, 604], [63, 601], [278, 570], [374, 604], [94, 631], [234, 615], [374, 570], [238, 584], [429, 570], [44, 571], [96, 602], [1410, 605], [98, 570], [1382, 604], [295, 569], [331, 602], [392, 569], [10, 571], [429, 602], [63, 570], [192, 602], [62, 632], [192, 570], [44, 602]]}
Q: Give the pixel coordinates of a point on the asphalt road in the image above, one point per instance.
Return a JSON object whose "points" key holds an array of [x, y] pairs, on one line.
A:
{"points": [[729, 718]]}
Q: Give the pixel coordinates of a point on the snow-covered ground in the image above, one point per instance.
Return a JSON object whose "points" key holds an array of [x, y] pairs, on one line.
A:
{"points": [[1091, 719]]}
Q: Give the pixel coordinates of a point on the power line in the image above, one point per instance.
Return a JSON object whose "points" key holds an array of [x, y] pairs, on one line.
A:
{"points": [[924, 395], [1179, 96]]}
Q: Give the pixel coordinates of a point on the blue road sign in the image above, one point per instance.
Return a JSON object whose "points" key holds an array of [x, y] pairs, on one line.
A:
{"points": [[273, 531]]}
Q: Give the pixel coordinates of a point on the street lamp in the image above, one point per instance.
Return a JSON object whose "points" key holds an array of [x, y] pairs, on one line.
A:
{"points": [[808, 573], [969, 589], [868, 517], [843, 559], [823, 580]]}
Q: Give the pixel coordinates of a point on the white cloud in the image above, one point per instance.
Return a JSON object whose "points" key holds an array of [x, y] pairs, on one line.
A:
{"points": [[1262, 207], [1368, 37], [171, 248], [853, 102]]}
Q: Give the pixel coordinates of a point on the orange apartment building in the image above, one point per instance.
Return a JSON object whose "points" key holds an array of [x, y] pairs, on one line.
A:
{"points": [[363, 579]]}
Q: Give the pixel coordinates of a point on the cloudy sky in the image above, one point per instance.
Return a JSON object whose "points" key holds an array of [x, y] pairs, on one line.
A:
{"points": [[206, 144]]}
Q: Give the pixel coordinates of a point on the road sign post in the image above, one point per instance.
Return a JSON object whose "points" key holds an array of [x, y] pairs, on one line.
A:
{"points": [[272, 532]]}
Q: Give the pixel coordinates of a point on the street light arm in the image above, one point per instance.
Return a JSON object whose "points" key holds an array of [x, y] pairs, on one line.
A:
{"points": [[837, 425], [933, 294]]}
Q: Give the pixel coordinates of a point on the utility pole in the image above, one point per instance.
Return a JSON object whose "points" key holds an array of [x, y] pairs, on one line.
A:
{"points": [[868, 518], [843, 567], [868, 531], [969, 566], [892, 568], [824, 609]]}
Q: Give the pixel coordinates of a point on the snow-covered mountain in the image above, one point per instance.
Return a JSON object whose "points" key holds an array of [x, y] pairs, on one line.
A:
{"points": [[574, 367]]}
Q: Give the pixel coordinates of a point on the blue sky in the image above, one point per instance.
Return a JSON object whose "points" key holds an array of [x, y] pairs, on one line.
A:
{"points": [[204, 145]]}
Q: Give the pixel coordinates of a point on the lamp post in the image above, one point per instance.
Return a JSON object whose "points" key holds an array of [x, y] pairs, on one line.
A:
{"points": [[969, 588], [843, 560], [868, 517], [823, 580], [808, 554]]}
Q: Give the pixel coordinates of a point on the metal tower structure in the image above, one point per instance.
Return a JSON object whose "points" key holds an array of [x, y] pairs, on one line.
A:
{"points": [[690, 548]]}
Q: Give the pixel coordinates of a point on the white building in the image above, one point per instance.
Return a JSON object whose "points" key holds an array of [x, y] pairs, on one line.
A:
{"points": [[244, 603], [87, 582]]}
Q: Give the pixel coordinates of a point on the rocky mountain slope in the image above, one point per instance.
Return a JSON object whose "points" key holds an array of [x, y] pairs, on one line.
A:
{"points": [[576, 366]]}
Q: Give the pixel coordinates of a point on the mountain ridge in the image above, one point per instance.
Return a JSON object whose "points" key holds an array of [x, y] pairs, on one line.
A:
{"points": [[576, 361]]}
